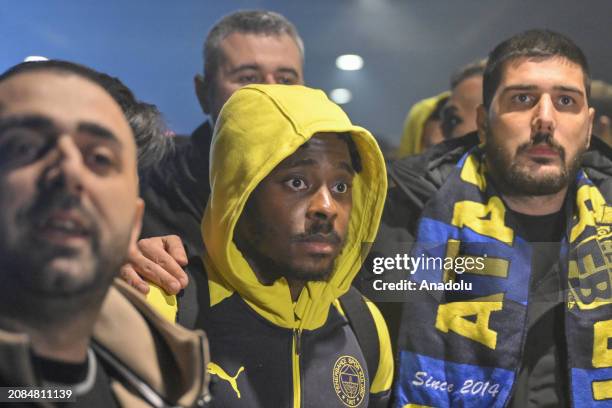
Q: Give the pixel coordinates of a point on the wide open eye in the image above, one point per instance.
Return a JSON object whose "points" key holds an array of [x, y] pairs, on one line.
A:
{"points": [[341, 188], [296, 184], [565, 100], [523, 99]]}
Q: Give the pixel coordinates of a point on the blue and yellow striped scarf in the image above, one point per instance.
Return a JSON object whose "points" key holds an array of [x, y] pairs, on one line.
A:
{"points": [[463, 349]]}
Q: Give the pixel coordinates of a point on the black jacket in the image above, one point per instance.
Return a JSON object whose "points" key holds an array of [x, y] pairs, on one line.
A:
{"points": [[177, 189]]}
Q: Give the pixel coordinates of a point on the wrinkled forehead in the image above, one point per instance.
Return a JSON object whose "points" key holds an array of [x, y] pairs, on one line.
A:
{"points": [[65, 99], [324, 147], [565, 70], [273, 49]]}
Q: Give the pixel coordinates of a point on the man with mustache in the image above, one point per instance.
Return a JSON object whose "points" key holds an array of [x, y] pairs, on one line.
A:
{"points": [[533, 203], [69, 212], [295, 190]]}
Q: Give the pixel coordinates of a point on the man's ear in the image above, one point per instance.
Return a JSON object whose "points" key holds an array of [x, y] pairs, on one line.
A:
{"points": [[202, 92], [482, 121], [137, 224]]}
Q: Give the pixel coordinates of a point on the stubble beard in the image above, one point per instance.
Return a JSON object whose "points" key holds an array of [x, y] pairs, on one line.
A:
{"points": [[45, 292], [514, 178], [45, 282]]}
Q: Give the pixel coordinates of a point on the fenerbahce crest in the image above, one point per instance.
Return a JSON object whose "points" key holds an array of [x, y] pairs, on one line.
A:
{"points": [[349, 381], [590, 272]]}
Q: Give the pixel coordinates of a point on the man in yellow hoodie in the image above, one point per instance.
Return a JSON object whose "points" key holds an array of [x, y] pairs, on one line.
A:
{"points": [[296, 190]]}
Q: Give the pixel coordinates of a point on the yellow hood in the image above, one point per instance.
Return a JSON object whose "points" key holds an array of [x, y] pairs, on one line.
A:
{"points": [[412, 136], [259, 126]]}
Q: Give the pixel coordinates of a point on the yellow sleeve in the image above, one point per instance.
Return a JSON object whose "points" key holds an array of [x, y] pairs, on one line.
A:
{"points": [[163, 303], [384, 376]]}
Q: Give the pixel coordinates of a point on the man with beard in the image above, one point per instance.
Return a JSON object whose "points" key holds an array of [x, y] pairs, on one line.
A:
{"points": [[69, 211], [533, 205], [296, 190]]}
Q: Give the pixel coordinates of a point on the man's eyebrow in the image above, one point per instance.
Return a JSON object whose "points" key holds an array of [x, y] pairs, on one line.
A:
{"points": [[570, 89], [299, 163], [526, 87], [287, 70], [244, 67], [519, 87], [98, 131], [255, 67], [29, 121]]}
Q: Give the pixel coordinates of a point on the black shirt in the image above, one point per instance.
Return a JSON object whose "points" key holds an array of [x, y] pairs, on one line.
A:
{"points": [[60, 373], [542, 375], [176, 191]]}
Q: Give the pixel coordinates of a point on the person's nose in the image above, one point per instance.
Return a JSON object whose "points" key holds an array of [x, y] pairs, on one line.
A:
{"points": [[544, 120], [322, 206], [270, 79], [67, 168]]}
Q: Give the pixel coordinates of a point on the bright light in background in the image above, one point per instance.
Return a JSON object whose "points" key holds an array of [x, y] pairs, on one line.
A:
{"points": [[341, 95], [349, 62], [33, 58]]}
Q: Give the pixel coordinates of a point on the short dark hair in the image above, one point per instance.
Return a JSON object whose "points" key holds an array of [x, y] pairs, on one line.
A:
{"points": [[152, 137], [144, 119], [531, 44], [146, 122], [59, 66], [261, 22], [474, 68]]}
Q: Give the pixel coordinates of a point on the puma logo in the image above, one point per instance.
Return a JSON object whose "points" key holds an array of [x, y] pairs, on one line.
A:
{"points": [[212, 368]]}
